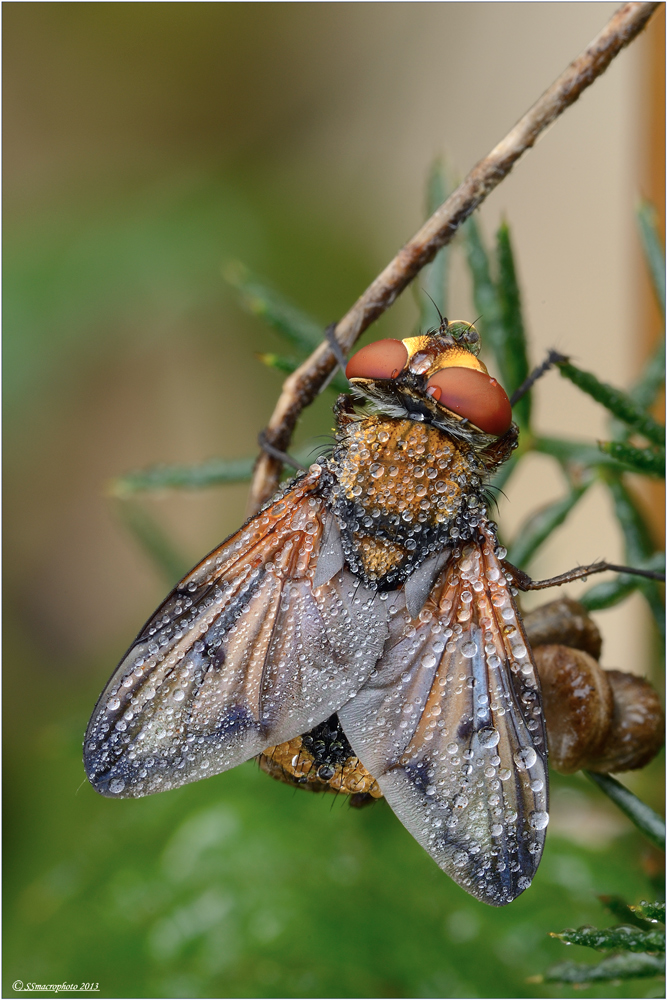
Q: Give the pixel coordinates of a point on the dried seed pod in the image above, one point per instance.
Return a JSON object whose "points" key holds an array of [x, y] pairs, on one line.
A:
{"points": [[637, 729], [578, 705], [603, 720], [564, 622]]}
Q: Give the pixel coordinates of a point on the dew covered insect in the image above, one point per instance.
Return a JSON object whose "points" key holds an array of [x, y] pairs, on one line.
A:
{"points": [[359, 634]]}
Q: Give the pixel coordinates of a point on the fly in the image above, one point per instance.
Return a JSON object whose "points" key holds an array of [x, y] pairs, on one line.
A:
{"points": [[359, 634]]}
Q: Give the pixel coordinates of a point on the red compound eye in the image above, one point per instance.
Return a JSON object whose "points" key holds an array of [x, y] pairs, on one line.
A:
{"points": [[475, 395], [383, 359]]}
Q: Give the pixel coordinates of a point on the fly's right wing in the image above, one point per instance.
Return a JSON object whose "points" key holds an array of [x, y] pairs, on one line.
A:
{"points": [[450, 724]]}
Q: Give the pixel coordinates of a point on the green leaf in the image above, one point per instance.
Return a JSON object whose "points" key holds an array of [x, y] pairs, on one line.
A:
{"points": [[611, 592], [286, 319], [625, 913], [645, 390], [638, 542], [655, 603], [215, 472], [626, 966], [647, 461], [650, 911], [154, 541], [617, 402], [515, 367], [651, 380], [614, 938], [644, 818], [485, 294], [499, 308], [434, 277], [576, 453], [536, 529], [647, 219], [278, 361]]}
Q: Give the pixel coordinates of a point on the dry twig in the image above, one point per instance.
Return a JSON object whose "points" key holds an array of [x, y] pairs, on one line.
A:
{"points": [[301, 387]]}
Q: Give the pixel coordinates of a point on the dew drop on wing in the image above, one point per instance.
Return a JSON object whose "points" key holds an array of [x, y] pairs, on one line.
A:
{"points": [[525, 758], [539, 820]]}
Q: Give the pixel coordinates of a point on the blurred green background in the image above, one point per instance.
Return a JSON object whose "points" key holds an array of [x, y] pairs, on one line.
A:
{"points": [[145, 145]]}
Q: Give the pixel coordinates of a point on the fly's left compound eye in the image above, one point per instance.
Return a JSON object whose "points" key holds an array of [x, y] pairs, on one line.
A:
{"points": [[475, 395], [383, 359]]}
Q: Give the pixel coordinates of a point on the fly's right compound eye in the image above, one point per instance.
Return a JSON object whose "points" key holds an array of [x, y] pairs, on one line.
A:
{"points": [[382, 359], [472, 394]]}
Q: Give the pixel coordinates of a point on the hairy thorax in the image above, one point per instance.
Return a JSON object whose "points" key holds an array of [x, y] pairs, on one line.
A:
{"points": [[402, 490]]}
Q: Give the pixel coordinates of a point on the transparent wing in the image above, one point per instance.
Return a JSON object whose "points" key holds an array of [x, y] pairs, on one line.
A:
{"points": [[244, 654], [450, 725]]}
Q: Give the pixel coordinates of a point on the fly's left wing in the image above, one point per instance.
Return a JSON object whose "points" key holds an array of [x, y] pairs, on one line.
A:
{"points": [[450, 724], [262, 641]]}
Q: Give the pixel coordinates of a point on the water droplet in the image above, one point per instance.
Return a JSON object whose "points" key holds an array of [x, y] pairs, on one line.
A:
{"points": [[496, 830], [525, 758], [178, 695], [113, 704], [539, 820], [116, 785], [460, 858], [537, 785], [488, 737], [504, 773], [469, 649]]}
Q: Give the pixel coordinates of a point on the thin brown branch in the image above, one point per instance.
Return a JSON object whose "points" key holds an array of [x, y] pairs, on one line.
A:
{"points": [[303, 385]]}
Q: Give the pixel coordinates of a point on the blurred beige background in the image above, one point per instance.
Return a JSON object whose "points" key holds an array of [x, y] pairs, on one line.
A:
{"points": [[320, 122]]}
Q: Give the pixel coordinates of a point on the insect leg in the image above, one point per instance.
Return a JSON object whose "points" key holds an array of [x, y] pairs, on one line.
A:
{"points": [[280, 456], [523, 582], [330, 334], [552, 358]]}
